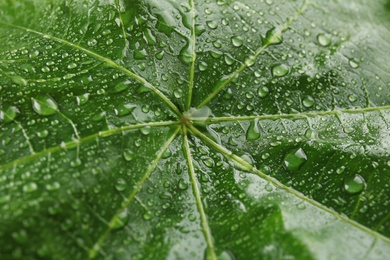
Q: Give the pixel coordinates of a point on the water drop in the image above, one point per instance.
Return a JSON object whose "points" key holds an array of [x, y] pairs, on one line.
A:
{"points": [[128, 155], [262, 91], [273, 36], [354, 184], [182, 185], [308, 101], [324, 39], [72, 66], [82, 99], [44, 105], [253, 132], [53, 186], [212, 24], [120, 184], [340, 170], [202, 66], [186, 53], [19, 80], [294, 159], [120, 221], [124, 109], [9, 114], [140, 54], [352, 98], [30, 187], [237, 41], [353, 63], [280, 70], [160, 55]]}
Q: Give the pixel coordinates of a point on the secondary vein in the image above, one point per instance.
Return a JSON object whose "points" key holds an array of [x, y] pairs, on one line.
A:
{"points": [[195, 187]]}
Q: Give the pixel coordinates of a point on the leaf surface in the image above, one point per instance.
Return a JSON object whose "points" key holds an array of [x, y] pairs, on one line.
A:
{"points": [[189, 130]]}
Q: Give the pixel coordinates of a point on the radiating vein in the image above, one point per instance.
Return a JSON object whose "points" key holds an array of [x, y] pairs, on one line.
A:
{"points": [[104, 59], [96, 248], [251, 59], [195, 187], [193, 47], [84, 139], [295, 115], [230, 156]]}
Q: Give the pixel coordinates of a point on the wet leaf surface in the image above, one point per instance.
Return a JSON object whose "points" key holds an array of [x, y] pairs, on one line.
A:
{"points": [[189, 130]]}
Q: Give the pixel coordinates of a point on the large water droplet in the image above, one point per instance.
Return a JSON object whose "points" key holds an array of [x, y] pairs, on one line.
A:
{"points": [[354, 184], [9, 114], [280, 70], [186, 53], [294, 159], [253, 132], [44, 105]]}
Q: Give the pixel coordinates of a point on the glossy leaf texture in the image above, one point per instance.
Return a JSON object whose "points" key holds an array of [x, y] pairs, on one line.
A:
{"points": [[252, 129]]}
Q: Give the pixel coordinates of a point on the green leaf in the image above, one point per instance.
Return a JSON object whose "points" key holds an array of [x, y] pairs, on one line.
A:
{"points": [[187, 130]]}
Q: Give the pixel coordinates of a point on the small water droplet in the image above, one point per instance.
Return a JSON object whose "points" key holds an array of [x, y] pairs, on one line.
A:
{"points": [[82, 99], [160, 55], [19, 80], [280, 70], [262, 91], [72, 66], [128, 155], [120, 221], [308, 101], [182, 185], [30, 187], [212, 24], [44, 105], [237, 41], [120, 184], [273, 36], [124, 109], [324, 39], [202, 66], [354, 184], [340, 170], [294, 159], [352, 98], [53, 186], [353, 63], [9, 114]]}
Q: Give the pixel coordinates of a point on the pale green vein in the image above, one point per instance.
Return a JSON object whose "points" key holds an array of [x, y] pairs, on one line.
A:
{"points": [[193, 47], [77, 142], [250, 168], [122, 24], [96, 248], [27, 138], [250, 60], [195, 187], [105, 60], [296, 115]]}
